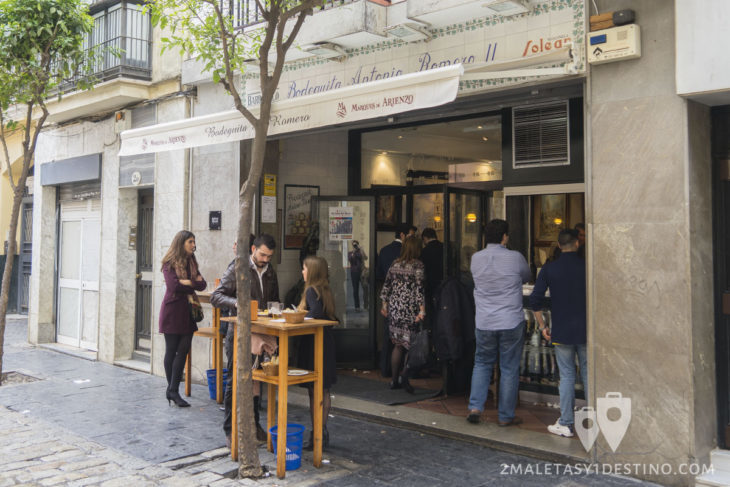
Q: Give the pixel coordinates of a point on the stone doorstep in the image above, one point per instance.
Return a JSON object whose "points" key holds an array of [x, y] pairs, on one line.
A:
{"points": [[540, 446]]}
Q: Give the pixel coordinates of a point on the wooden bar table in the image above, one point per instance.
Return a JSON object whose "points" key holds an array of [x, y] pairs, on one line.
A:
{"points": [[284, 331]]}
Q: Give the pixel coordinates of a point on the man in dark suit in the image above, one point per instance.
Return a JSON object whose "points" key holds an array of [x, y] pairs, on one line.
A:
{"points": [[384, 260]]}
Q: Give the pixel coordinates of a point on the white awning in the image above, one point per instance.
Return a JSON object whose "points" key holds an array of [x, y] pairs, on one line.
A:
{"points": [[349, 104], [529, 66]]}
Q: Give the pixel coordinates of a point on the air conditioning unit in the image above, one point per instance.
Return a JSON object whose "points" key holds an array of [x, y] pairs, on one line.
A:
{"points": [[408, 32], [506, 8]]}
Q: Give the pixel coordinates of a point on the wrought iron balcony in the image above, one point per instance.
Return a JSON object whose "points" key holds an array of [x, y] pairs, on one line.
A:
{"points": [[245, 12], [121, 36]]}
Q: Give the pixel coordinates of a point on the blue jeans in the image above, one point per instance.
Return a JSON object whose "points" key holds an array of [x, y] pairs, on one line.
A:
{"points": [[565, 356], [507, 345]]}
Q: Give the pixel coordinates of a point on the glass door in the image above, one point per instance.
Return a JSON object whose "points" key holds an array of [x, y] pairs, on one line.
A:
{"points": [[347, 242], [466, 220]]}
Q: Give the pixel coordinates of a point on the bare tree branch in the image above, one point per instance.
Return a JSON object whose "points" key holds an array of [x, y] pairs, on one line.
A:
{"points": [[229, 81], [3, 137]]}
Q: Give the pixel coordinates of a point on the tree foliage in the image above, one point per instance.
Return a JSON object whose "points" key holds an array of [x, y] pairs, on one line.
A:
{"points": [[210, 31], [41, 45]]}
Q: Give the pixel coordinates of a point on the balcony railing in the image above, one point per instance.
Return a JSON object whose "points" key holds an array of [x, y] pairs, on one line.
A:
{"points": [[121, 40], [245, 13]]}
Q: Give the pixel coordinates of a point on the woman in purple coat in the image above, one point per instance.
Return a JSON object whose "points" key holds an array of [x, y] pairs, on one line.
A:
{"points": [[182, 278]]}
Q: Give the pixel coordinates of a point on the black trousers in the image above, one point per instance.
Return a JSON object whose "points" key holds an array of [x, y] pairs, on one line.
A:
{"points": [[177, 348], [355, 277], [228, 396]]}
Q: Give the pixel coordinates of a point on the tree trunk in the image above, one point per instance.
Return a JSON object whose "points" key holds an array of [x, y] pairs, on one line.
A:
{"points": [[248, 459], [8, 272]]}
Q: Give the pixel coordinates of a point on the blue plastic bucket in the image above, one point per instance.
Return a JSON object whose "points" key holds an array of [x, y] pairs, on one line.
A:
{"points": [[211, 381], [294, 440]]}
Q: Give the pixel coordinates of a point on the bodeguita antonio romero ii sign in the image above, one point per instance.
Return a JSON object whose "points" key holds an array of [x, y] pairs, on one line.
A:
{"points": [[376, 99]]}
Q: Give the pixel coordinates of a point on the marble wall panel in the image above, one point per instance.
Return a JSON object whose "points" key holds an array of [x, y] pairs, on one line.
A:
{"points": [[701, 275], [41, 328], [642, 287], [318, 160], [215, 177], [652, 321], [656, 382], [638, 160]]}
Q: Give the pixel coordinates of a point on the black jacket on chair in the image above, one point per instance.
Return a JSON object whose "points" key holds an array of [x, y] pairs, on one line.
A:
{"points": [[454, 321]]}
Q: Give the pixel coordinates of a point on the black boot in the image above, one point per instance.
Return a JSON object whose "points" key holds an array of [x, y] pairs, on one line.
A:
{"points": [[174, 396], [309, 445], [260, 433]]}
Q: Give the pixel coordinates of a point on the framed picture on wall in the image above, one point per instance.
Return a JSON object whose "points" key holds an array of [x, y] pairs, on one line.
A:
{"points": [[550, 216], [297, 214], [387, 211]]}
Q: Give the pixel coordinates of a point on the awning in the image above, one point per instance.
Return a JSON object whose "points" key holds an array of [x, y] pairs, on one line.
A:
{"points": [[562, 62], [349, 104]]}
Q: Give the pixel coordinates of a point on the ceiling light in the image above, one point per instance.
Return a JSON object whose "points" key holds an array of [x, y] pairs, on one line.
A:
{"points": [[479, 127], [384, 153], [485, 139], [506, 8], [400, 136], [408, 32], [325, 50]]}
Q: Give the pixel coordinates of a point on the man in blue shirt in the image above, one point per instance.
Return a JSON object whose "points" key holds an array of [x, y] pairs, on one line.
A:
{"points": [[500, 324], [566, 279]]}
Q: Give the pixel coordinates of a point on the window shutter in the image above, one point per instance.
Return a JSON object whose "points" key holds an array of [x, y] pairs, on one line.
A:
{"points": [[540, 135]]}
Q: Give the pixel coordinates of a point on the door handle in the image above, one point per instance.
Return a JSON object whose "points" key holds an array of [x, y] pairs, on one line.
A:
{"points": [[138, 276]]}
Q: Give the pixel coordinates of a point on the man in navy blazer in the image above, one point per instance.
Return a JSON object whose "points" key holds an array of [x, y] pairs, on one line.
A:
{"points": [[384, 260], [390, 252]]}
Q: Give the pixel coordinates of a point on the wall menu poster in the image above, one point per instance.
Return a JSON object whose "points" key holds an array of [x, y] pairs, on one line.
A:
{"points": [[340, 222], [297, 214]]}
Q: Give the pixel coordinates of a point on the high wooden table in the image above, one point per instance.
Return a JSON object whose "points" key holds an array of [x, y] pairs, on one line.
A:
{"points": [[282, 381]]}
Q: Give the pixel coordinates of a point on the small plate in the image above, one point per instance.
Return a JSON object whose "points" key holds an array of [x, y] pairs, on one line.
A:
{"points": [[298, 372]]}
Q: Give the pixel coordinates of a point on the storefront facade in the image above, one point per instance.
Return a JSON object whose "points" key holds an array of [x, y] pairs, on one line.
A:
{"points": [[633, 163]]}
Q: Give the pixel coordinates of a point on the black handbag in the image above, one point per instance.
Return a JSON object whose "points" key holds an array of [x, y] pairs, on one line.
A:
{"points": [[418, 353], [196, 310]]}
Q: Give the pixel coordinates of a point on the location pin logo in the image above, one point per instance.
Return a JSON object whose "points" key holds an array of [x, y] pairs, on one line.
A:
{"points": [[614, 431], [587, 435]]}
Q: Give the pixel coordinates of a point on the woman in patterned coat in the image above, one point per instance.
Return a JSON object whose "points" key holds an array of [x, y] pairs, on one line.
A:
{"points": [[404, 304]]}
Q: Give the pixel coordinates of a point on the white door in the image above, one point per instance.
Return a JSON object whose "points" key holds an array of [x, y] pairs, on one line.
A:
{"points": [[78, 278]]}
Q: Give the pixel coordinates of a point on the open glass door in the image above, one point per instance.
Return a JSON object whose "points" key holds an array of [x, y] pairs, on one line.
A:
{"points": [[466, 210], [346, 221]]}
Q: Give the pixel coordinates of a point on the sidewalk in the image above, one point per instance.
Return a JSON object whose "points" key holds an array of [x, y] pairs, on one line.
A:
{"points": [[90, 423]]}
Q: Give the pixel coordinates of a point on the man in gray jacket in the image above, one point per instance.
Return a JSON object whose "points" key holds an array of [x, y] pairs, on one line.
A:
{"points": [[264, 288]]}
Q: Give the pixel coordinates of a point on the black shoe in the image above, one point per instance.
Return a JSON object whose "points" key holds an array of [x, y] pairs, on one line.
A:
{"points": [[260, 433], [474, 416], [406, 385], [394, 384], [309, 444], [173, 396]]}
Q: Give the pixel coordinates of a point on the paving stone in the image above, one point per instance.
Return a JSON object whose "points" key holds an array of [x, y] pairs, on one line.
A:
{"points": [[116, 430], [61, 479]]}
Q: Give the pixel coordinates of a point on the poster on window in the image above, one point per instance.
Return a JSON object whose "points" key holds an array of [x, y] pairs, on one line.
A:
{"points": [[340, 225], [297, 214]]}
